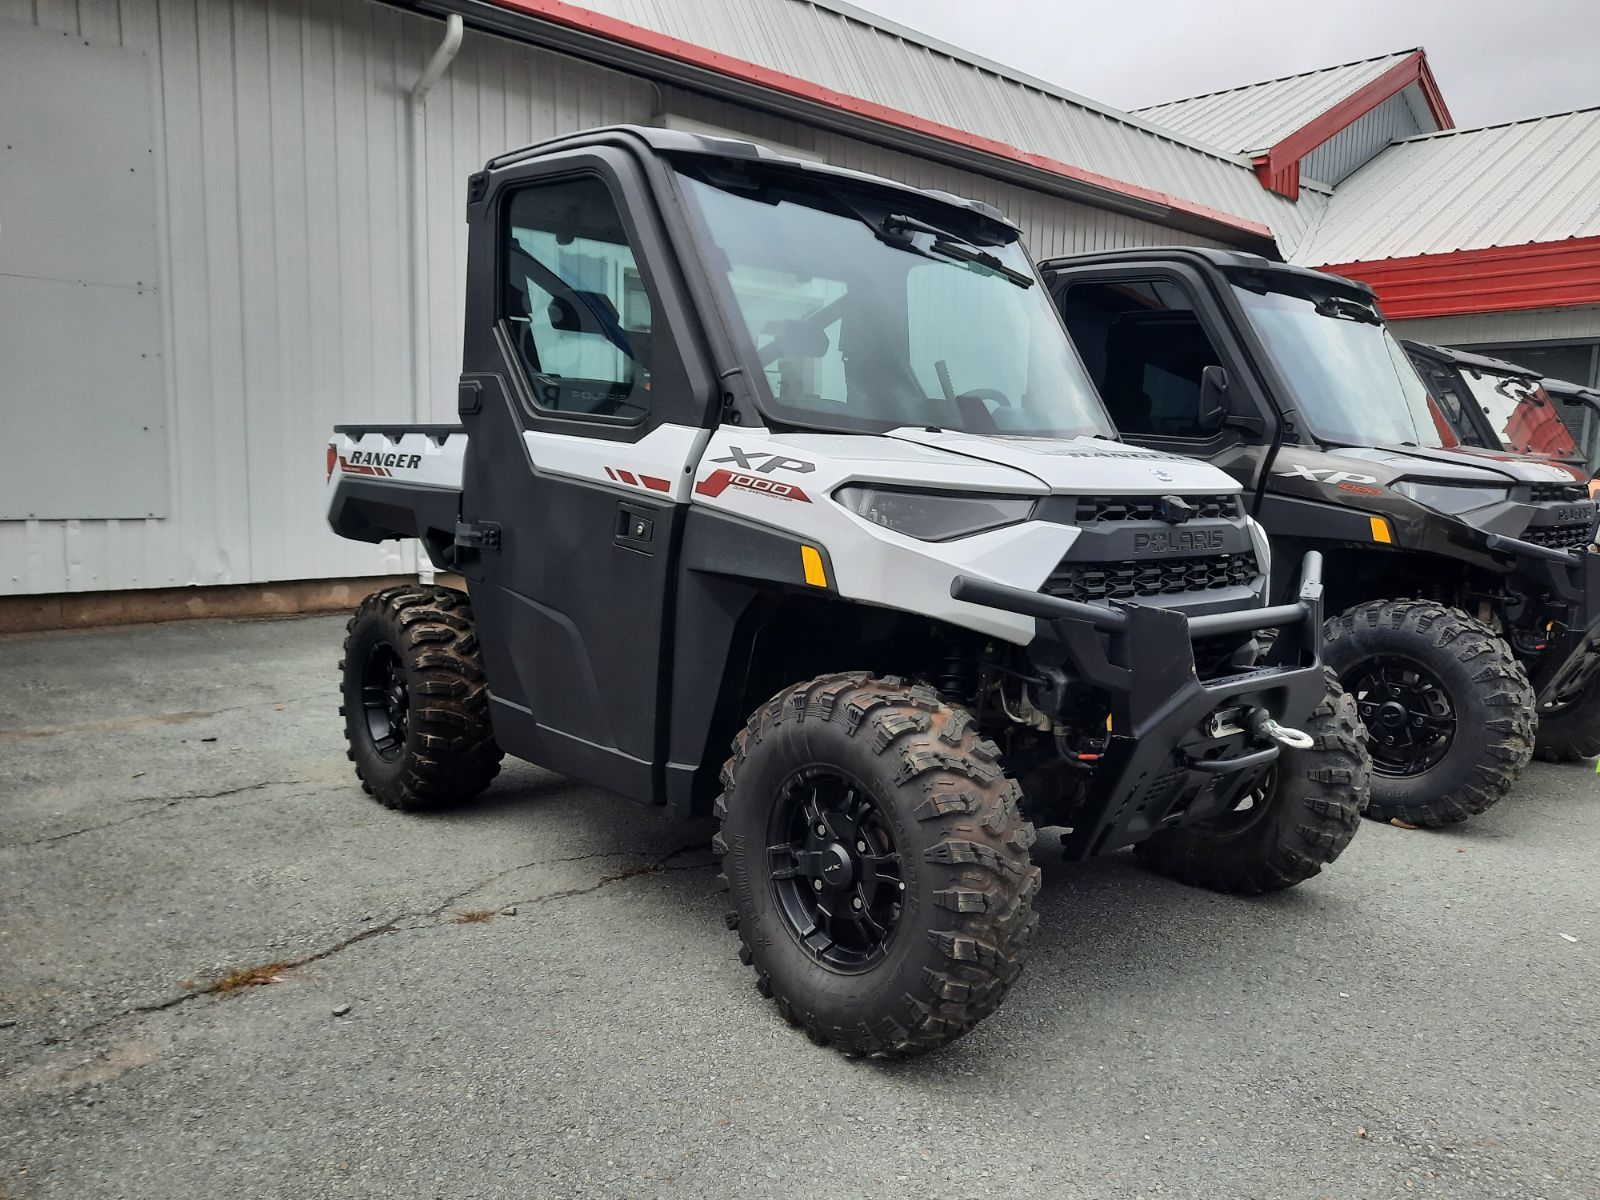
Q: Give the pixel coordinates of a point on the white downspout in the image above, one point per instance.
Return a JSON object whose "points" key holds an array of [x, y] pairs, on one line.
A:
{"points": [[421, 359]]}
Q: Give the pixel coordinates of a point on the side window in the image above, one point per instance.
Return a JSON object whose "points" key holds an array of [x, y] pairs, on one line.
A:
{"points": [[577, 308], [1145, 349], [1451, 402]]}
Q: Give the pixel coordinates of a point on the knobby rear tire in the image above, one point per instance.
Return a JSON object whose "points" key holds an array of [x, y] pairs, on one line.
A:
{"points": [[449, 753]]}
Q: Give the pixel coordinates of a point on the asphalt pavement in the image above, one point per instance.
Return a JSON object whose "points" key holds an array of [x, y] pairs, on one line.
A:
{"points": [[535, 995]]}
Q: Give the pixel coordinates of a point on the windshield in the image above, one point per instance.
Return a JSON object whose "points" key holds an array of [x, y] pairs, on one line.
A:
{"points": [[1521, 415], [865, 317], [1351, 381]]}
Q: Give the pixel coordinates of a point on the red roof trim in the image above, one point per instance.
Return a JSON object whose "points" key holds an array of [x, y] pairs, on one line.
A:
{"points": [[1499, 279], [571, 16], [1273, 165]]}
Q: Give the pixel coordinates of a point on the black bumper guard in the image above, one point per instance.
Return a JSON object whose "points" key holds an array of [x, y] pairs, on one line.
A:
{"points": [[1166, 763]]}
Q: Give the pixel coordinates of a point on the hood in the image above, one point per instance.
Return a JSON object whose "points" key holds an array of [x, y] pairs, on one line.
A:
{"points": [[1083, 464], [1463, 464]]}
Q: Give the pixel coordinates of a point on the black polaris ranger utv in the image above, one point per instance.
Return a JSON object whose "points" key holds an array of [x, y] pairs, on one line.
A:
{"points": [[1454, 575], [1499, 405], [763, 453], [1496, 405]]}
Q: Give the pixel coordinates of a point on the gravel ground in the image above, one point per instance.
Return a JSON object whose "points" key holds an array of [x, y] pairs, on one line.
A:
{"points": [[1418, 1021]]}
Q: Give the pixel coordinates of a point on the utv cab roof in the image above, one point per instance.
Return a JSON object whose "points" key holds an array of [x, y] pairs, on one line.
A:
{"points": [[1225, 260], [1564, 391], [732, 150], [1465, 358]]}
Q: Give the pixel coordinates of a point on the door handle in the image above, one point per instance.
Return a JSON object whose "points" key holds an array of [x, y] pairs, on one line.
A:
{"points": [[636, 528]]}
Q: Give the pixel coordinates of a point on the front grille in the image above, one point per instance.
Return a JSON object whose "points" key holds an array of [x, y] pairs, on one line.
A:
{"points": [[1088, 581], [1559, 537], [1559, 493], [1091, 509]]}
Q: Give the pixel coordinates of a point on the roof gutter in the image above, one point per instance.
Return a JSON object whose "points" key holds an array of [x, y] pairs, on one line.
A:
{"points": [[570, 29]]}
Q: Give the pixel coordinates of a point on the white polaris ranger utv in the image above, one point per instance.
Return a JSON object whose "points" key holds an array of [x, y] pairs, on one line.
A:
{"points": [[763, 453]]}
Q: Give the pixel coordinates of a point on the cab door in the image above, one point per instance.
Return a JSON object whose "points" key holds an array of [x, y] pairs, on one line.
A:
{"points": [[1147, 339], [585, 399]]}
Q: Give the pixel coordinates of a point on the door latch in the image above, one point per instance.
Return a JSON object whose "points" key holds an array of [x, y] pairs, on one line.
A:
{"points": [[478, 535]]}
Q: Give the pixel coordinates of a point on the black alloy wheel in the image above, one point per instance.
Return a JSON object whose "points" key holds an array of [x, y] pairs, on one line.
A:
{"points": [[385, 700], [1407, 711], [835, 869], [1249, 808]]}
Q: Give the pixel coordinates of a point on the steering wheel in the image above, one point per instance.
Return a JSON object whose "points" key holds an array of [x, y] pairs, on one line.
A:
{"points": [[989, 395]]}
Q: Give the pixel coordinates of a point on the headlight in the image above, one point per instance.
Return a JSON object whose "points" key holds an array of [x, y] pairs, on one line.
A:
{"points": [[933, 516], [1449, 498]]}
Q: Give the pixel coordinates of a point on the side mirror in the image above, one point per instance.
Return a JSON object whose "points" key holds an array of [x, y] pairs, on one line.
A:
{"points": [[1213, 414]]}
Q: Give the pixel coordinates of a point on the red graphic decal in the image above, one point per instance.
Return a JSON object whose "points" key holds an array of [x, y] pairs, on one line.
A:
{"points": [[360, 468], [654, 482], [720, 481]]}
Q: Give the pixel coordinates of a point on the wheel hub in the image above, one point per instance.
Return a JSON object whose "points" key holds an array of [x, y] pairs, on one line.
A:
{"points": [[835, 870], [385, 700], [1410, 720], [1392, 715], [835, 866]]}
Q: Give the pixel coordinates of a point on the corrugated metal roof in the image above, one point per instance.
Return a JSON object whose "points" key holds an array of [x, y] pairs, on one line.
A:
{"points": [[859, 55], [1503, 185], [1256, 116]]}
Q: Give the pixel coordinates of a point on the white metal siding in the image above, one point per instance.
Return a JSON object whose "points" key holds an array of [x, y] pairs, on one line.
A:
{"points": [[282, 192], [1353, 146], [1536, 325]]}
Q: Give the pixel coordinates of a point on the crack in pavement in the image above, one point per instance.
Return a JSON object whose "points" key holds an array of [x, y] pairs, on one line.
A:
{"points": [[162, 803], [394, 925]]}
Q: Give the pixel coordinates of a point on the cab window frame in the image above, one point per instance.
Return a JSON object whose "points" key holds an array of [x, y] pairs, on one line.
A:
{"points": [[639, 274], [1222, 348]]}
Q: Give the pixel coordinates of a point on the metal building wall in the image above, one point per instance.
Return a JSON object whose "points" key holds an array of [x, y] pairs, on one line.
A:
{"points": [[1350, 148], [283, 185], [283, 207], [1533, 325]]}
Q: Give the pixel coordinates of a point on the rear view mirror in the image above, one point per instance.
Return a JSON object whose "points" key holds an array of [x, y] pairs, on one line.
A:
{"points": [[1213, 414]]}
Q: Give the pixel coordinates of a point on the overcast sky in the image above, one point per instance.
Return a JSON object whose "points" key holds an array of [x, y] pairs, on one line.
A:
{"points": [[1495, 60]]}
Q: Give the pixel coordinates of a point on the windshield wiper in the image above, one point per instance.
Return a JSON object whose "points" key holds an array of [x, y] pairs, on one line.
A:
{"points": [[1343, 308], [894, 230], [950, 245]]}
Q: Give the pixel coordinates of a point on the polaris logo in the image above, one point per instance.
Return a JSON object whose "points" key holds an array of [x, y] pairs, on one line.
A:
{"points": [[1165, 542], [372, 458]]}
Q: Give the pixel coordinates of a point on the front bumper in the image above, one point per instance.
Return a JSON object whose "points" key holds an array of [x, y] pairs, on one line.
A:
{"points": [[1572, 653], [1163, 766]]}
